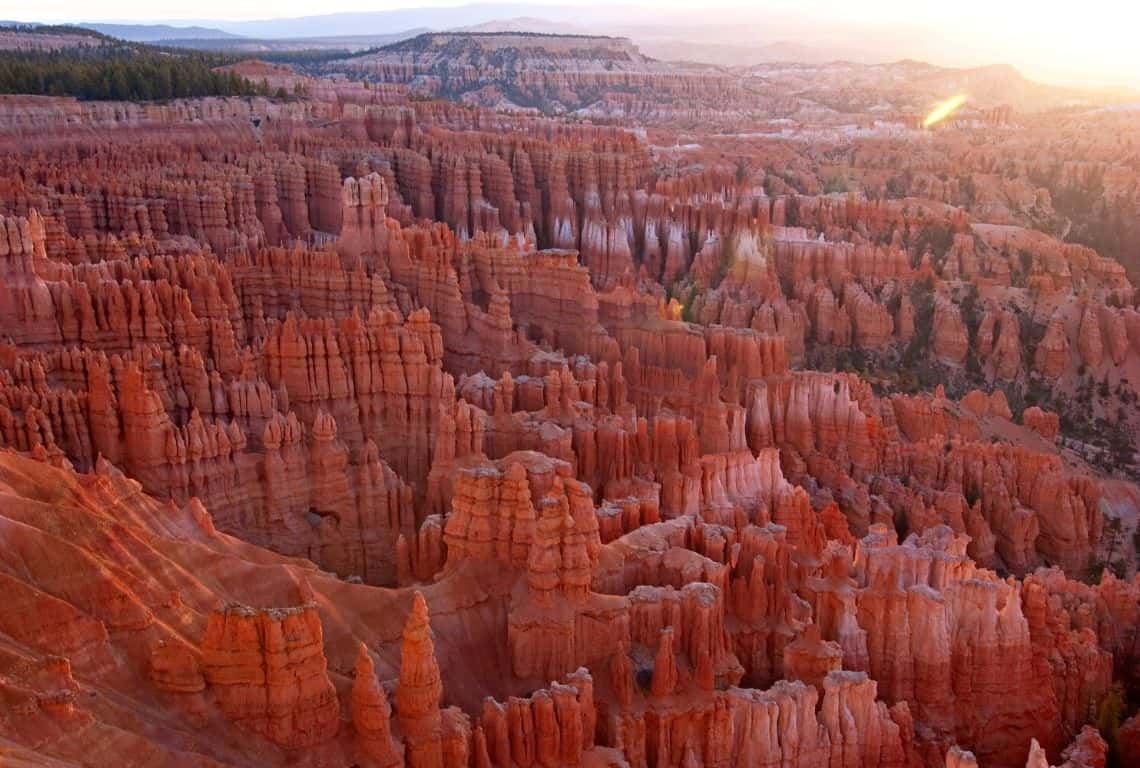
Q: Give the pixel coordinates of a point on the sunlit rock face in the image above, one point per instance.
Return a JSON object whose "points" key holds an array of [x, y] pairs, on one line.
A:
{"points": [[367, 429]]}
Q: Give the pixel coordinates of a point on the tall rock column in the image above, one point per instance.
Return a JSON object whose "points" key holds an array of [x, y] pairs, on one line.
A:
{"points": [[420, 690], [371, 715], [664, 666], [364, 235]]}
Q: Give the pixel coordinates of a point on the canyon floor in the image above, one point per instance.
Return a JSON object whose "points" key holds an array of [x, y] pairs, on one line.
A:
{"points": [[512, 400]]}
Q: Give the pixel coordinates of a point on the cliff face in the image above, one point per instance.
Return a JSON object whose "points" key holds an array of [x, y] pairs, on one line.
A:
{"points": [[382, 432], [267, 671], [554, 73]]}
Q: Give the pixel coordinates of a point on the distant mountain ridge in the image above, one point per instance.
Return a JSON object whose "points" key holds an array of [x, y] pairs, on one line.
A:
{"points": [[526, 24], [391, 21], [153, 33], [264, 45], [506, 38]]}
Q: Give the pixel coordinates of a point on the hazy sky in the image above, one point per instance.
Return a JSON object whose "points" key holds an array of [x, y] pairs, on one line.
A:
{"points": [[1090, 42]]}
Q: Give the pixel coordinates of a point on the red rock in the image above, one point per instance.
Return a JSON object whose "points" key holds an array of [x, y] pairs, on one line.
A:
{"points": [[871, 322], [1114, 334], [1052, 355], [1128, 737], [1006, 355], [911, 591], [1044, 423], [664, 666], [1089, 341], [810, 658], [371, 715], [904, 319], [542, 370], [949, 340], [419, 691], [364, 234], [1087, 751], [960, 758], [267, 670]]}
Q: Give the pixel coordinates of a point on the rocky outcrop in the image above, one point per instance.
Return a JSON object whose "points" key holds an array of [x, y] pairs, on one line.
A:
{"points": [[268, 672], [949, 340], [553, 726], [1052, 355], [1090, 343], [1088, 749], [1043, 422], [939, 632], [1128, 736]]}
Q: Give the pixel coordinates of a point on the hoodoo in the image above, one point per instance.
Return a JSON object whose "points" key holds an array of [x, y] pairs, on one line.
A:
{"points": [[498, 398]]}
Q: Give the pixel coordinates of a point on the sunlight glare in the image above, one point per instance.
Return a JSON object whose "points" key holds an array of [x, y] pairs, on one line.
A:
{"points": [[943, 110]]}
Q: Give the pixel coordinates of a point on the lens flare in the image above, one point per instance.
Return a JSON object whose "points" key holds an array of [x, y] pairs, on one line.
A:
{"points": [[943, 110]]}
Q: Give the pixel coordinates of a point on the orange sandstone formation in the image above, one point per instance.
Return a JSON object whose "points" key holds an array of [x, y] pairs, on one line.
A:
{"points": [[366, 430]]}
